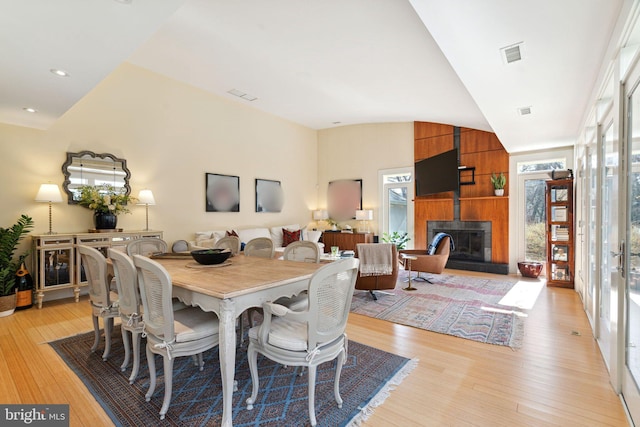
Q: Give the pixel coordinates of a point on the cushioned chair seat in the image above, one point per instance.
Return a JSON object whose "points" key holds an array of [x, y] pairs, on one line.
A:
{"points": [[193, 324], [426, 263], [381, 282], [285, 333]]}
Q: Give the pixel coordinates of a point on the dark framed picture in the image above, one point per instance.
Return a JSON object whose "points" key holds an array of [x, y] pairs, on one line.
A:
{"points": [[344, 198], [222, 193], [269, 197]]}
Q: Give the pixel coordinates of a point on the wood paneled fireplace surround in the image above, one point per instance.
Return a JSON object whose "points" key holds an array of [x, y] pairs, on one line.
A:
{"points": [[478, 220]]}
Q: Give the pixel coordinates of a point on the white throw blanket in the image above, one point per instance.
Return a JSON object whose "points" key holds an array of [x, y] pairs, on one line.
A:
{"points": [[375, 259]]}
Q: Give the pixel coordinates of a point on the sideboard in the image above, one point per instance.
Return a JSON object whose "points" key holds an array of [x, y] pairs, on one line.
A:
{"points": [[56, 260], [344, 241]]}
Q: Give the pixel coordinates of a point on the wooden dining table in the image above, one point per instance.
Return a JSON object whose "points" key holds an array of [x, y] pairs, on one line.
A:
{"points": [[229, 290]]}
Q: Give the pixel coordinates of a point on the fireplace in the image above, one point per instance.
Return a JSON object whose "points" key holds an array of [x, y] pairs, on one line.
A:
{"points": [[469, 244], [472, 239]]}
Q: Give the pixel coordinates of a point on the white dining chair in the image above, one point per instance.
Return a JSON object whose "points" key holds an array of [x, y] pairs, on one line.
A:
{"points": [[104, 302], [130, 308], [229, 242], [310, 337], [186, 332], [146, 246], [303, 250], [259, 247]]}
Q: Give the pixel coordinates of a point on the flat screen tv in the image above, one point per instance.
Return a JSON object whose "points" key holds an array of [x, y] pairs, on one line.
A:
{"points": [[437, 174]]}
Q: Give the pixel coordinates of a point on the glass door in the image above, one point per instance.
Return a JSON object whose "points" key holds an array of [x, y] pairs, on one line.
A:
{"points": [[397, 209], [609, 240], [631, 370]]}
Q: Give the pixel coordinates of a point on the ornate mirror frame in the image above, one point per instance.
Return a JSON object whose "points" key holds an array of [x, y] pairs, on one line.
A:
{"points": [[105, 166]]}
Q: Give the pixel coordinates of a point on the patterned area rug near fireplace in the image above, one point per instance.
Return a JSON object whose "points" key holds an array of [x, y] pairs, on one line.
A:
{"points": [[367, 377], [462, 306]]}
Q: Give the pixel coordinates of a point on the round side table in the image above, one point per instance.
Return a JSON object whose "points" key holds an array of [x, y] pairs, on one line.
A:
{"points": [[409, 258]]}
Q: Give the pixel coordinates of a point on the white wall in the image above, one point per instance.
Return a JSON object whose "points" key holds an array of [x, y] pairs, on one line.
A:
{"points": [[358, 152], [170, 134]]}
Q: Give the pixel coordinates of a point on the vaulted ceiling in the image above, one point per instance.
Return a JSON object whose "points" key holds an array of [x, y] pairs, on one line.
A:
{"points": [[324, 63]]}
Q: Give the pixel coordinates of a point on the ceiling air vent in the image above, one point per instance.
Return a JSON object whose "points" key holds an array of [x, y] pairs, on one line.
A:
{"points": [[512, 53], [523, 111]]}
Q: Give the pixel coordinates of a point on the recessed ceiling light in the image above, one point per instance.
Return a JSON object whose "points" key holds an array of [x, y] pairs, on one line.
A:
{"points": [[123, 1], [30, 110], [59, 73], [242, 95], [336, 123]]}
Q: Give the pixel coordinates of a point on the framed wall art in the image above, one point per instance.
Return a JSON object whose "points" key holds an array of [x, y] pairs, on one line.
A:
{"points": [[344, 198], [269, 197], [222, 193]]}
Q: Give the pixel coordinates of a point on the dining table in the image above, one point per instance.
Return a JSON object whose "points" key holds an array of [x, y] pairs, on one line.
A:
{"points": [[230, 288]]}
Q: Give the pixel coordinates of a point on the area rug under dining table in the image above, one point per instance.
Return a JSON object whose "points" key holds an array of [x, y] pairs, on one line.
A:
{"points": [[463, 306], [367, 378]]}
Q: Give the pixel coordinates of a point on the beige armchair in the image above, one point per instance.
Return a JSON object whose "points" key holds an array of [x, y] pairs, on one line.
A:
{"points": [[425, 263]]}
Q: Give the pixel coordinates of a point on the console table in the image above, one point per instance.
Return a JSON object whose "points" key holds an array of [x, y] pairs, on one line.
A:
{"points": [[345, 241], [56, 261]]}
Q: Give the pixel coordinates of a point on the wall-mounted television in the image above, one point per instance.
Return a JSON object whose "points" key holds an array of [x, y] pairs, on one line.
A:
{"points": [[437, 174]]}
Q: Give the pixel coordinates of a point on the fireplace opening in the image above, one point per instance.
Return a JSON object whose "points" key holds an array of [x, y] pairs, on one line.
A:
{"points": [[469, 244]]}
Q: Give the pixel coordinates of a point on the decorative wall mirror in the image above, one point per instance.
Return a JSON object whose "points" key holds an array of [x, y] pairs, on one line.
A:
{"points": [[89, 168]]}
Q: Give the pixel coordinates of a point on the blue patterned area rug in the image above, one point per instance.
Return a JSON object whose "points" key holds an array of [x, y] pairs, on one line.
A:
{"points": [[475, 308], [367, 377]]}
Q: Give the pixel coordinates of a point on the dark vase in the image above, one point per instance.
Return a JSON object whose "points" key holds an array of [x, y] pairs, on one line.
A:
{"points": [[105, 221]]}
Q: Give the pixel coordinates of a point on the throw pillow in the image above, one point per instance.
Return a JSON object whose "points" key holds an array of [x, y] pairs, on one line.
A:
{"points": [[289, 237], [232, 233], [206, 243]]}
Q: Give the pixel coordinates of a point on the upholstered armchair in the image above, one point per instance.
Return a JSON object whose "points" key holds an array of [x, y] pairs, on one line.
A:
{"points": [[377, 283], [426, 263]]}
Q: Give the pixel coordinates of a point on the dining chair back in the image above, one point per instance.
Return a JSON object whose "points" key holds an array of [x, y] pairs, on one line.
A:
{"points": [[261, 247], [303, 250], [186, 332], [311, 337], [104, 303], [146, 246], [229, 242]]}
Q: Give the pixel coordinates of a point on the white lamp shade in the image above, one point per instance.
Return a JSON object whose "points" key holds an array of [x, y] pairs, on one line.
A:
{"points": [[364, 215], [320, 215], [145, 197], [49, 193]]}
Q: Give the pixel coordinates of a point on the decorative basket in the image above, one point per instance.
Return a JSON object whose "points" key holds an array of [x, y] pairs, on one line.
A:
{"points": [[530, 269], [7, 304]]}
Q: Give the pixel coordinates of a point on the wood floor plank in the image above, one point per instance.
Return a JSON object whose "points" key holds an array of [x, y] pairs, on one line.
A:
{"points": [[556, 378]]}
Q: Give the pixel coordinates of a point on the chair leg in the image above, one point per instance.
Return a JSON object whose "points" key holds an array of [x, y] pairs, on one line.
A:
{"points": [[375, 298], [127, 352], [151, 362], [96, 330], [252, 357], [312, 394], [419, 277], [108, 328], [336, 383], [168, 385], [136, 338]]}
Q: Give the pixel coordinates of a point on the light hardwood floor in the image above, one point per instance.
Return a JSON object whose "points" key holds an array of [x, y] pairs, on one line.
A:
{"points": [[556, 378]]}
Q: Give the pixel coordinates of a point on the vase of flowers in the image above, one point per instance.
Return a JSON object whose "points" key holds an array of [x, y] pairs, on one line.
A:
{"points": [[107, 202]]}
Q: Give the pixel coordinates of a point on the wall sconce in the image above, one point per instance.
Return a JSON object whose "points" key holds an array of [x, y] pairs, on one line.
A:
{"points": [[145, 197], [364, 216], [49, 193]]}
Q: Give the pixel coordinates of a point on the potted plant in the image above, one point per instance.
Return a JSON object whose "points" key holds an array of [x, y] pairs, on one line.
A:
{"points": [[398, 239], [498, 182], [106, 202], [333, 223], [9, 240]]}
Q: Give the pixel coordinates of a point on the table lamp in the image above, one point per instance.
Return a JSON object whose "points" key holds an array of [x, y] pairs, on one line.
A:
{"points": [[364, 216], [49, 193], [145, 197], [320, 215]]}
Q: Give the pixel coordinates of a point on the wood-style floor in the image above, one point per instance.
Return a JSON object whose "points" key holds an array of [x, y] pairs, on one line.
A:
{"points": [[557, 378]]}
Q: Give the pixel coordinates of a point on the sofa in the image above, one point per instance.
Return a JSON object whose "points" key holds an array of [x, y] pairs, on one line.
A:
{"points": [[207, 239]]}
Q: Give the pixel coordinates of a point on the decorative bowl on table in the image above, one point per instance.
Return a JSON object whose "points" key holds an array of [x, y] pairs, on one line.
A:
{"points": [[530, 268], [211, 256]]}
